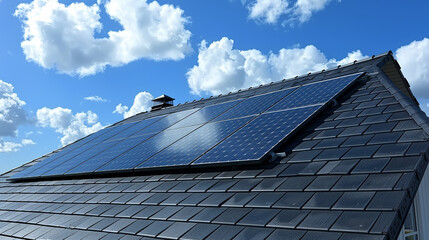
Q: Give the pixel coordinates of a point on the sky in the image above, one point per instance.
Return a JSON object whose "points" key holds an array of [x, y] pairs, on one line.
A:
{"points": [[69, 68]]}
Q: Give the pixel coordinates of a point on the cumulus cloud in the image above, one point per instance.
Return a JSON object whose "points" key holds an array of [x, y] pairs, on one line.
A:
{"points": [[7, 146], [414, 61], [142, 103], [12, 113], [95, 99], [27, 142], [221, 68], [62, 36], [270, 11], [71, 126], [303, 9]]}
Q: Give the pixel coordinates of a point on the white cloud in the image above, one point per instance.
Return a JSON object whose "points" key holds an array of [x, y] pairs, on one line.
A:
{"points": [[12, 113], [142, 103], [6, 146], [95, 99], [351, 57], [62, 37], [270, 11], [222, 69], [27, 142], [71, 126], [305, 8], [414, 61]]}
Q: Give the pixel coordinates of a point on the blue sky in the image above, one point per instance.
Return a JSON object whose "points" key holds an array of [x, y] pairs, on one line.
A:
{"points": [[69, 68]]}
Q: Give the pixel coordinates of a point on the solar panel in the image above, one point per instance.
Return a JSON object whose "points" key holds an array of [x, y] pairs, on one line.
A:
{"points": [[67, 152], [315, 93], [109, 154], [50, 164], [254, 105], [257, 138], [147, 149], [244, 130], [184, 151], [205, 114]]}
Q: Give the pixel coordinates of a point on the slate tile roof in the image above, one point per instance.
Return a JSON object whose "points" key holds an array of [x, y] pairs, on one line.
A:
{"points": [[350, 174]]}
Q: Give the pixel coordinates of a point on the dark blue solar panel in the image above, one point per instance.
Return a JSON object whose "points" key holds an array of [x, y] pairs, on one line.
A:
{"points": [[244, 130], [147, 149], [66, 153], [168, 121], [108, 155], [257, 138], [254, 105], [193, 145], [136, 129], [64, 166], [205, 114], [315, 93], [80, 148], [114, 130]]}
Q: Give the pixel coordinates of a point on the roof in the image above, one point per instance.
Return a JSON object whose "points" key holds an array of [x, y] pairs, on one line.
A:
{"points": [[350, 173]]}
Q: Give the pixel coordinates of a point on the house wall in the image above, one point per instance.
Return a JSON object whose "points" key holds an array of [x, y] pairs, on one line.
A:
{"points": [[422, 207], [421, 203]]}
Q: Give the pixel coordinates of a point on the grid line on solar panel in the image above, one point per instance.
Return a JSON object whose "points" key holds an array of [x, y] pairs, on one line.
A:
{"points": [[185, 150], [147, 149], [254, 105], [258, 137], [314, 93]]}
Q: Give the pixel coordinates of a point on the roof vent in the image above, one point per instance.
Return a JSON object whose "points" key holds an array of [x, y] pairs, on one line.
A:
{"points": [[161, 102]]}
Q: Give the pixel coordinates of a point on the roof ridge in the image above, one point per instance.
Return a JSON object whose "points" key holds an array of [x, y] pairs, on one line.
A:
{"points": [[372, 58]]}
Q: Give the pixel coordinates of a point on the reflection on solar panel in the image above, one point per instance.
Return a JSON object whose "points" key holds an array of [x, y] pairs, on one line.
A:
{"points": [[255, 105], [147, 149], [199, 141], [205, 114], [315, 93], [257, 138], [244, 130]]}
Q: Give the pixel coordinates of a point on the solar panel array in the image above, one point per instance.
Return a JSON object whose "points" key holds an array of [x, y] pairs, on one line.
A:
{"points": [[240, 131]]}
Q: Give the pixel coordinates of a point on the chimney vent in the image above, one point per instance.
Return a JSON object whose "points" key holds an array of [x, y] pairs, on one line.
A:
{"points": [[161, 102]]}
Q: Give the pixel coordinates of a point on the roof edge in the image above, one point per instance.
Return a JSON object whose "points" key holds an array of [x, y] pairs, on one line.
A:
{"points": [[409, 105]]}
